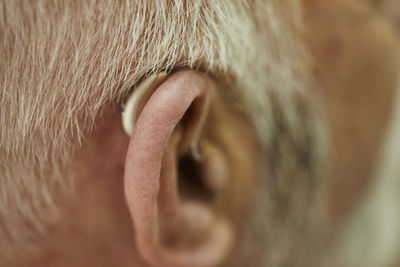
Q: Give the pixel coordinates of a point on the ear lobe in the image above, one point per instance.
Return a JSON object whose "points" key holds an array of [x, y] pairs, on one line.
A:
{"points": [[171, 232]]}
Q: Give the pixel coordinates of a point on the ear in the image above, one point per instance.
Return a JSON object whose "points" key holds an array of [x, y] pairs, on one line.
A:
{"points": [[172, 229]]}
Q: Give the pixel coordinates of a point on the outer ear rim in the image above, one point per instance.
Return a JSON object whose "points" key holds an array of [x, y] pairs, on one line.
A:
{"points": [[141, 94], [146, 184], [138, 98]]}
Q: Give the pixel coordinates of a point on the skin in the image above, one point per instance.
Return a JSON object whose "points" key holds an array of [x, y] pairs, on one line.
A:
{"points": [[95, 226], [353, 80], [100, 193]]}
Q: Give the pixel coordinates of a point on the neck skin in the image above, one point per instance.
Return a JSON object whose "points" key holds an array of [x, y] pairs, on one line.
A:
{"points": [[94, 228]]}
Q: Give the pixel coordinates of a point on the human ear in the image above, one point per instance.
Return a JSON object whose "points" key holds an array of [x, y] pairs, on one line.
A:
{"points": [[172, 229]]}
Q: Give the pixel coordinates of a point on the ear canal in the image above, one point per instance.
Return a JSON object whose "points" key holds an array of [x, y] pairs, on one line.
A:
{"points": [[170, 231]]}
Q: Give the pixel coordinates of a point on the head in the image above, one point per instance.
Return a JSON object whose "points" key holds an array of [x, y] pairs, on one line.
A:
{"points": [[296, 149]]}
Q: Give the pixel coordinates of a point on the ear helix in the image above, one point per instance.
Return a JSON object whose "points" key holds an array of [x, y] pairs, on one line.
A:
{"points": [[137, 99], [170, 230], [141, 94]]}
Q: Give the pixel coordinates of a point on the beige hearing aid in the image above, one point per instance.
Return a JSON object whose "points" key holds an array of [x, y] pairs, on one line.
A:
{"points": [[139, 97]]}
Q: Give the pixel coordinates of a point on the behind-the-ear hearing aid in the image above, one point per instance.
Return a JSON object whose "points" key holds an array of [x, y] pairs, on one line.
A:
{"points": [[137, 99], [141, 94]]}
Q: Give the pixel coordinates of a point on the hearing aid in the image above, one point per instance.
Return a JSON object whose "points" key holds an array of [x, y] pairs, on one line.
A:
{"points": [[136, 101]]}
